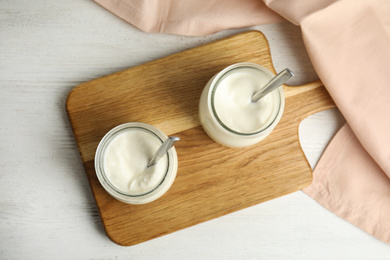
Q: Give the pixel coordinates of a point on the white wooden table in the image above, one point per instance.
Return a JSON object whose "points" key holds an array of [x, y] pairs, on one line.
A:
{"points": [[46, 206]]}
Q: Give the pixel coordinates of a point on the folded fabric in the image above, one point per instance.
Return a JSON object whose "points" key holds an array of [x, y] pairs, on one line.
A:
{"points": [[348, 42], [191, 17], [348, 182]]}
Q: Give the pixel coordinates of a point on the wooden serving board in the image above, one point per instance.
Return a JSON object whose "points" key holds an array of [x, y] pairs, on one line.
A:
{"points": [[212, 180]]}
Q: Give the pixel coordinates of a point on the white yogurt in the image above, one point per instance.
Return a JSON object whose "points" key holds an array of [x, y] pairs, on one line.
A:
{"points": [[126, 159], [233, 105], [121, 163], [227, 113]]}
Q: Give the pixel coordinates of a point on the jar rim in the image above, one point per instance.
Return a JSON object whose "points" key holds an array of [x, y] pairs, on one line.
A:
{"points": [[99, 160]]}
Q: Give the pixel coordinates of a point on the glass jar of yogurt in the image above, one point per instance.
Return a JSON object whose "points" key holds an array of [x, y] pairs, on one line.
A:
{"points": [[227, 113], [121, 161]]}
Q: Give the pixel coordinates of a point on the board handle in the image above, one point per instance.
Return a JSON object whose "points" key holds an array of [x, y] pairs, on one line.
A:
{"points": [[307, 99]]}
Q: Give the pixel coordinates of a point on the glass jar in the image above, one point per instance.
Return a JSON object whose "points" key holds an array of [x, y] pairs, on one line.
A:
{"points": [[226, 112], [121, 163]]}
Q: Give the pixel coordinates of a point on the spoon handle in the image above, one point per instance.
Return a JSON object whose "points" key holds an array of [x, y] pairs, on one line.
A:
{"points": [[163, 149], [273, 84]]}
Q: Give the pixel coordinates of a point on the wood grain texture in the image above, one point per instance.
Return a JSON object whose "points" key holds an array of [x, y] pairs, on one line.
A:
{"points": [[212, 180]]}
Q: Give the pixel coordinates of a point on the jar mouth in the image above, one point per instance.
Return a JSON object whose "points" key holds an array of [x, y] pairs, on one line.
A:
{"points": [[223, 75], [100, 154]]}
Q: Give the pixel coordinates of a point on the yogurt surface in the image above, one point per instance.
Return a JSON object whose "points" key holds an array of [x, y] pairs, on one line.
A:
{"points": [[126, 158], [232, 103]]}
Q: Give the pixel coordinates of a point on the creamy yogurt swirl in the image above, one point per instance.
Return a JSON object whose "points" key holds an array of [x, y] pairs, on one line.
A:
{"points": [[125, 162], [232, 101]]}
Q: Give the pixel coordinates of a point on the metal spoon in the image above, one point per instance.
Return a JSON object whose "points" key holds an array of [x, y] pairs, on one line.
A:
{"points": [[273, 84], [163, 149]]}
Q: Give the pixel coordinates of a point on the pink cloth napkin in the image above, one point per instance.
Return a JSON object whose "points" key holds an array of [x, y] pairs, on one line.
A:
{"points": [[190, 17], [348, 42]]}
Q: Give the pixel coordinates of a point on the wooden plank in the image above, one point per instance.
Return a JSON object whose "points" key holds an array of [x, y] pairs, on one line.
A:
{"points": [[212, 180]]}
